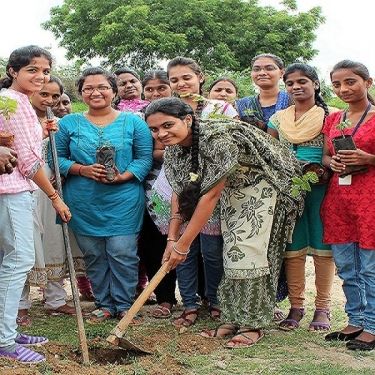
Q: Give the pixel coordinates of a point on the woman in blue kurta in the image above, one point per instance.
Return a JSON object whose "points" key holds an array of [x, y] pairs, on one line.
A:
{"points": [[108, 209]]}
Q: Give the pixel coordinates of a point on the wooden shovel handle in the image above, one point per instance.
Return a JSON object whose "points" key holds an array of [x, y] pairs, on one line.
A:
{"points": [[119, 330]]}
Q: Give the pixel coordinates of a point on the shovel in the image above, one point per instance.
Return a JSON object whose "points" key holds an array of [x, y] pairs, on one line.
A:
{"points": [[116, 336], [72, 273]]}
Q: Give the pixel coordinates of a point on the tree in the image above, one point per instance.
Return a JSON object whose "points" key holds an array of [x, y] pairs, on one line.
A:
{"points": [[218, 33]]}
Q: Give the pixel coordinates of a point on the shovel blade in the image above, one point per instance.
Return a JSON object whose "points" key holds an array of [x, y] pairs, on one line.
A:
{"points": [[128, 345]]}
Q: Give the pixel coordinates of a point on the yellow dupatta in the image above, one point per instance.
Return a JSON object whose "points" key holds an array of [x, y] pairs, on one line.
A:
{"points": [[306, 128]]}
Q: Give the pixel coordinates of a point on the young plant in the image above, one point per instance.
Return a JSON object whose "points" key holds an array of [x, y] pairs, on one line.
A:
{"points": [[300, 184], [343, 125], [8, 107]]}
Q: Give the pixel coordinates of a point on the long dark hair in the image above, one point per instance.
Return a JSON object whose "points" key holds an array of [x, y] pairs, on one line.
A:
{"points": [[22, 57], [309, 72], [190, 194], [357, 68]]}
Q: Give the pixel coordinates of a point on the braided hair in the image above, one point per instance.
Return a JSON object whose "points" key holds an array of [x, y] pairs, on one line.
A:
{"points": [[190, 194], [309, 72]]}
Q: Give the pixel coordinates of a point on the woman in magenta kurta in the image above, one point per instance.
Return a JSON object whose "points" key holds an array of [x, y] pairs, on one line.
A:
{"points": [[348, 210]]}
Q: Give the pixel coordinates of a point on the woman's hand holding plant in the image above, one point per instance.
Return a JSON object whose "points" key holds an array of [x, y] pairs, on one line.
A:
{"points": [[356, 157], [336, 165], [95, 171]]}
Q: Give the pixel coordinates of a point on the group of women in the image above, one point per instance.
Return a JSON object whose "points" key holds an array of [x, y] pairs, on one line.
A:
{"points": [[155, 172]]}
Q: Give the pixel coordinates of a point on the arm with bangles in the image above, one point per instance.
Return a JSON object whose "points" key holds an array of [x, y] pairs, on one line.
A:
{"points": [[176, 251], [41, 179]]}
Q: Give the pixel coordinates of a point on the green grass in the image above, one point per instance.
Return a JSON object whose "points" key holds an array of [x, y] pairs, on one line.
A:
{"points": [[281, 353]]}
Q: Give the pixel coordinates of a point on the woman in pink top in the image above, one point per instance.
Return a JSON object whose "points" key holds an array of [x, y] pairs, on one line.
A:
{"points": [[28, 69]]}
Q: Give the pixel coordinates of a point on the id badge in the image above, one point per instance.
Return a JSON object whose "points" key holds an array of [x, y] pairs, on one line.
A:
{"points": [[345, 181]]}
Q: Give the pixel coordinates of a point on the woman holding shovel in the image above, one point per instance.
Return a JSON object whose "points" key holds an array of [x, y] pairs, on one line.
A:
{"points": [[28, 69], [251, 175], [348, 210]]}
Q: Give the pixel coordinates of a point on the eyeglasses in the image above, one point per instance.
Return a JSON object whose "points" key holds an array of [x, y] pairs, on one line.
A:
{"points": [[90, 90], [266, 68]]}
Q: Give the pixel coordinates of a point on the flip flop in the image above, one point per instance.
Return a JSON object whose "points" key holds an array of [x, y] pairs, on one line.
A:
{"points": [[237, 344], [161, 312], [214, 333]]}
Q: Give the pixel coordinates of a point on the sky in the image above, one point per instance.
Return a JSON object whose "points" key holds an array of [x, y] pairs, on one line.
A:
{"points": [[346, 33]]}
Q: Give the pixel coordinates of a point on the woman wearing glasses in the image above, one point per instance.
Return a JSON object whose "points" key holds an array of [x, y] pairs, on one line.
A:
{"points": [[105, 155], [266, 72]]}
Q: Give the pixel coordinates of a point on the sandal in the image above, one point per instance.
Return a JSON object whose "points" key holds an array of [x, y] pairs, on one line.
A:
{"points": [[162, 311], [62, 310], [214, 333], [341, 336], [184, 318], [23, 318], [237, 343], [99, 316], [292, 320], [318, 325], [215, 313], [278, 315]]}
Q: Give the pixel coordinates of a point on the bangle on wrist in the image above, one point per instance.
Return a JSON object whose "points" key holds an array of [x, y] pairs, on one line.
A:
{"points": [[53, 196], [174, 247], [175, 217], [79, 170], [171, 239]]}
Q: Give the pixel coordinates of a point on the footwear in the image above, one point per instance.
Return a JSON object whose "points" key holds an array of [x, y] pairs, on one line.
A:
{"points": [[184, 318], [87, 297], [135, 321], [23, 318], [292, 320], [162, 311], [99, 316], [237, 343], [318, 325], [360, 345], [231, 330], [278, 315], [27, 340], [23, 355], [340, 336], [62, 310], [214, 312]]}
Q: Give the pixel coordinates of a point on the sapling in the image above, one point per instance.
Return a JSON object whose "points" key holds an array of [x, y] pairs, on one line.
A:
{"points": [[303, 183], [8, 107], [343, 125]]}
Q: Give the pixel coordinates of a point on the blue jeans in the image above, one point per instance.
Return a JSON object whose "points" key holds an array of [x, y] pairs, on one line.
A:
{"points": [[356, 267], [112, 267], [17, 257], [187, 272]]}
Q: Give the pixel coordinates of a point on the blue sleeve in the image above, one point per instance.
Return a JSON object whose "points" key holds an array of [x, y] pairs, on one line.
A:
{"points": [[62, 139], [142, 150]]}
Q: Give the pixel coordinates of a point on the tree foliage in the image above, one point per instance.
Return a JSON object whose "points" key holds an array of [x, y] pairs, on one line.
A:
{"points": [[217, 33]]}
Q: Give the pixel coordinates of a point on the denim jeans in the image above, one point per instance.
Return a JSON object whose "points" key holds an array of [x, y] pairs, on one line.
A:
{"points": [[187, 272], [17, 257], [112, 267], [356, 267]]}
